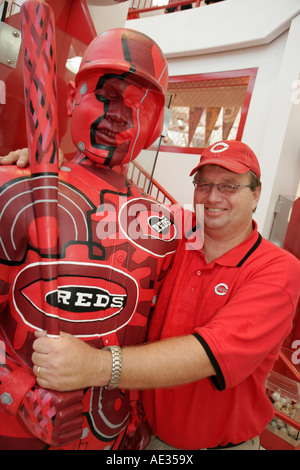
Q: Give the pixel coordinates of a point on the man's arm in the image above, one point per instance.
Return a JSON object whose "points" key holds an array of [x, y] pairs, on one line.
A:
{"points": [[68, 363], [165, 363]]}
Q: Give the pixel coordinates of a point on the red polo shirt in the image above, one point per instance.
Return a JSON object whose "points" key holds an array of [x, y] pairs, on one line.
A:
{"points": [[240, 307]]}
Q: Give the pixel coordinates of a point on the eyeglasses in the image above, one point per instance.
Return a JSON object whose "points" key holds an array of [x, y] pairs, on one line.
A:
{"points": [[223, 188]]}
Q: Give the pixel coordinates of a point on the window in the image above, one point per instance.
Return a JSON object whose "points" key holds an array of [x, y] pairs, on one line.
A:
{"points": [[207, 108]]}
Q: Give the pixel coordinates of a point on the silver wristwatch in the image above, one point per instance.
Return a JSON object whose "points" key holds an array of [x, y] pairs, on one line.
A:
{"points": [[116, 367]]}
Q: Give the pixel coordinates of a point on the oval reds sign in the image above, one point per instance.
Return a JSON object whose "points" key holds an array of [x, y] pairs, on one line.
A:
{"points": [[87, 305], [149, 225]]}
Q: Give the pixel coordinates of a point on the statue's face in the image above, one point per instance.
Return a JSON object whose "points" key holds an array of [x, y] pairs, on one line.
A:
{"points": [[112, 118]]}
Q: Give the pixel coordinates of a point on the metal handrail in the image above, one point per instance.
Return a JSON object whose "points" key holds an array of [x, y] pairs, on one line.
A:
{"points": [[141, 178], [289, 366], [287, 419], [143, 6], [279, 414]]}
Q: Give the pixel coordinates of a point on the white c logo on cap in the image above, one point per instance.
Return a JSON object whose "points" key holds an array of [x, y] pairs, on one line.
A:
{"points": [[221, 147]]}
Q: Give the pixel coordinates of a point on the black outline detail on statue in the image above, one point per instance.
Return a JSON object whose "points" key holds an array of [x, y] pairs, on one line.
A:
{"points": [[92, 245]]}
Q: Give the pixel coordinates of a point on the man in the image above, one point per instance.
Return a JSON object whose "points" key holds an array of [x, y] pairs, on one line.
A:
{"points": [[217, 328], [110, 253]]}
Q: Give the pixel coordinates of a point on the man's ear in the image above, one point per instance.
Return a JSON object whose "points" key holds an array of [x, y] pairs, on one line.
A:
{"points": [[71, 97], [256, 195]]}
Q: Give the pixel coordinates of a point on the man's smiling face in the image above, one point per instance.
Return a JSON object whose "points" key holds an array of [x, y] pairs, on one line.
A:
{"points": [[226, 213]]}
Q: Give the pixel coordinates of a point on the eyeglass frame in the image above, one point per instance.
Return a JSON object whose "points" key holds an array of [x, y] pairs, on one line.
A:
{"points": [[210, 186]]}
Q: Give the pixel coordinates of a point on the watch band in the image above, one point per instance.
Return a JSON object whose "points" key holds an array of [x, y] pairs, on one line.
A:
{"points": [[116, 367]]}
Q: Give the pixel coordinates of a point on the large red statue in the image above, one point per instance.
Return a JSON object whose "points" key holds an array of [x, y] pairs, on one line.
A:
{"points": [[111, 246]]}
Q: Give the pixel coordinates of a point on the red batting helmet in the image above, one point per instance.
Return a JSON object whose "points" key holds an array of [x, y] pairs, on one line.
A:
{"points": [[126, 50]]}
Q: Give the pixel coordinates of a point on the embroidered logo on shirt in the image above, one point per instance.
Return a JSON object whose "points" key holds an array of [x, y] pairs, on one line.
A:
{"points": [[221, 289]]}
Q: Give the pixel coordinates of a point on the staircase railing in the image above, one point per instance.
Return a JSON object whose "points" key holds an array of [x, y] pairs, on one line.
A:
{"points": [[142, 6], [142, 179]]}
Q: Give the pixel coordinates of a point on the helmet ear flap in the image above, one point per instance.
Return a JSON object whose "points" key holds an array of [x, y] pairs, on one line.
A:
{"points": [[157, 127]]}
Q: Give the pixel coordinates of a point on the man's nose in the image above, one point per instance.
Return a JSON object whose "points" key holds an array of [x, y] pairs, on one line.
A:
{"points": [[214, 194], [117, 111]]}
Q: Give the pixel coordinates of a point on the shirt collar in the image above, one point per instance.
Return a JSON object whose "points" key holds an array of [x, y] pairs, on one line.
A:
{"points": [[238, 255]]}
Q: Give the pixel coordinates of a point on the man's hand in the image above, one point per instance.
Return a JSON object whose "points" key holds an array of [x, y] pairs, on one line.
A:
{"points": [[18, 157], [55, 418], [67, 363], [21, 159]]}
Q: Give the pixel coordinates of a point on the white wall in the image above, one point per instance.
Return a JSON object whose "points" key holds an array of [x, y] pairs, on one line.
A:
{"points": [[230, 35], [229, 25], [107, 15]]}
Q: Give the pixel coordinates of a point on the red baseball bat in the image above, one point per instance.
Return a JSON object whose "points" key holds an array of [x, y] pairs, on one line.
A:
{"points": [[39, 65]]}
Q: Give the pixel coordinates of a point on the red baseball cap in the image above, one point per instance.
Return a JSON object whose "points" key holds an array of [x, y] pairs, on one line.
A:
{"points": [[230, 154]]}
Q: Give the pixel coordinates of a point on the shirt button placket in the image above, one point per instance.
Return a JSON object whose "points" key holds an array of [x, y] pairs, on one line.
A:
{"points": [[198, 273]]}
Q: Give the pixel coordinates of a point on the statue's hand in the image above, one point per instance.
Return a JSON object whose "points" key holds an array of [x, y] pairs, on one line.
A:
{"points": [[54, 417]]}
